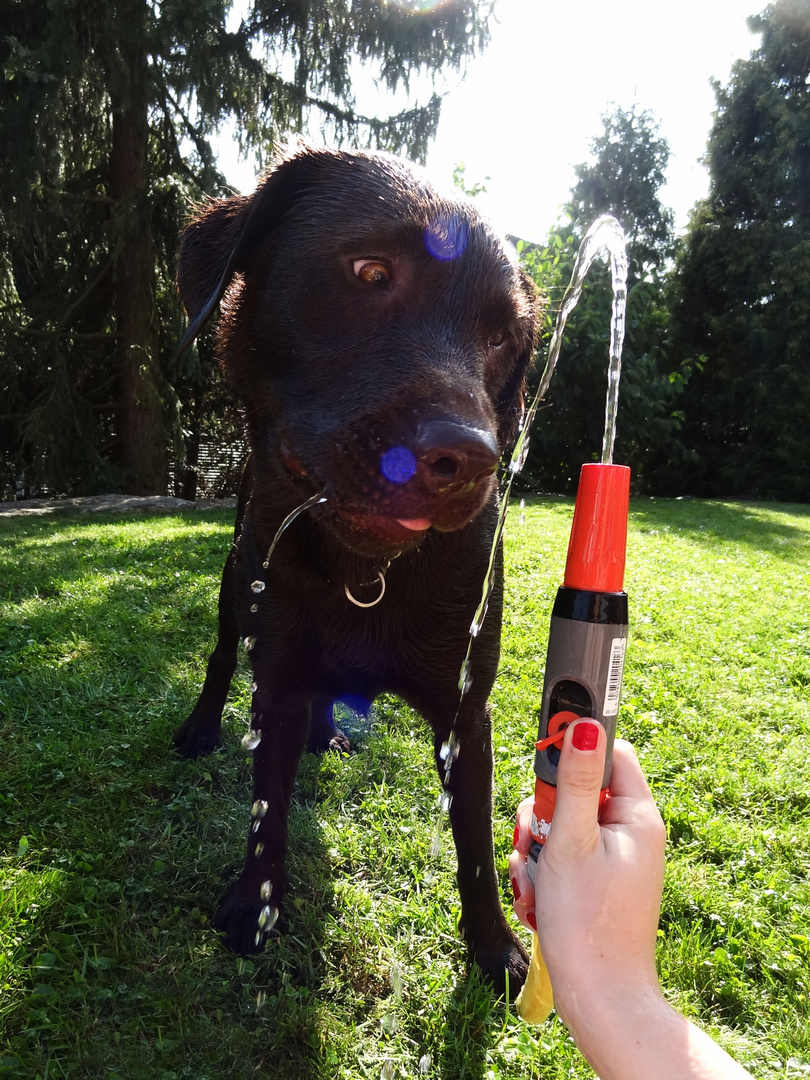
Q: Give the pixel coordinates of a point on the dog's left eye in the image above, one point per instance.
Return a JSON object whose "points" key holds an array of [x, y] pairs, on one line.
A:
{"points": [[372, 270], [496, 339]]}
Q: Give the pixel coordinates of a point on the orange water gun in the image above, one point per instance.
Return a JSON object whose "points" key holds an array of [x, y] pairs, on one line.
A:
{"points": [[584, 665]]}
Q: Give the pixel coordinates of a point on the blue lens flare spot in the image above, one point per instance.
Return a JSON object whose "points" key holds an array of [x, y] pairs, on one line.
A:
{"points": [[356, 704], [446, 237], [398, 464], [353, 715]]}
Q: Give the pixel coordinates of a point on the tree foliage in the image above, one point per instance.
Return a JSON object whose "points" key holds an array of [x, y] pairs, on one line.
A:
{"points": [[743, 284], [626, 171], [107, 111], [623, 178]]}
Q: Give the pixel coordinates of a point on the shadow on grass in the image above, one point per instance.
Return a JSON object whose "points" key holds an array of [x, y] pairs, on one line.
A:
{"points": [[116, 971], [472, 1021], [112, 968]]}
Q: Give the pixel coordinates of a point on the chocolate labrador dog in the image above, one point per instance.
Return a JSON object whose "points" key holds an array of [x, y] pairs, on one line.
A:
{"points": [[378, 335]]}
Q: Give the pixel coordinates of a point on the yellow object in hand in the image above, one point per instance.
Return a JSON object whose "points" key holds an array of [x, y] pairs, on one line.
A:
{"points": [[535, 1001]]}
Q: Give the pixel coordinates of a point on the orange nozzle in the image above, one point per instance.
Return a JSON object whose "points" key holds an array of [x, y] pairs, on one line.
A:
{"points": [[545, 799], [598, 544]]}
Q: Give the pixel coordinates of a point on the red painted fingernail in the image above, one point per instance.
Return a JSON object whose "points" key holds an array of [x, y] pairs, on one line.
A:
{"points": [[530, 919], [586, 735], [515, 889], [515, 836]]}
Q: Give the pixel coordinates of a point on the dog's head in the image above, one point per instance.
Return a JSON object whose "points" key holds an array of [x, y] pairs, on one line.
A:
{"points": [[377, 333]]}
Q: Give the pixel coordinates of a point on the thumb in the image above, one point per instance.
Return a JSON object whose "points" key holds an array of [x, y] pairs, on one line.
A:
{"points": [[579, 780]]}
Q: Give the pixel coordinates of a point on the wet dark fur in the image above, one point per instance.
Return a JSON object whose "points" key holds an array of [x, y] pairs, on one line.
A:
{"points": [[333, 371]]}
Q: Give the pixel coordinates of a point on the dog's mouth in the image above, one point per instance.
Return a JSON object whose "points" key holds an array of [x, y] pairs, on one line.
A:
{"points": [[378, 502], [396, 532], [383, 529]]}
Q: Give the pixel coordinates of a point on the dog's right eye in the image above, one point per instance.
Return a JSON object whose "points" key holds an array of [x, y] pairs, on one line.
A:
{"points": [[372, 270]]}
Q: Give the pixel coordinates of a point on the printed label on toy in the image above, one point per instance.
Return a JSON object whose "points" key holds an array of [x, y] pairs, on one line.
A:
{"points": [[614, 679]]}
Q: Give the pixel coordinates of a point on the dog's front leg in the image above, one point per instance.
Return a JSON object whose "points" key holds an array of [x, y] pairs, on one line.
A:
{"points": [[468, 782], [249, 911], [199, 734]]}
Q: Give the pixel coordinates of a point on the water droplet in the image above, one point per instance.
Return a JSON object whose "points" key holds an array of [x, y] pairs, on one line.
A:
{"points": [[266, 890], [267, 918], [448, 753], [261, 997], [444, 800], [522, 514], [249, 642], [253, 688], [396, 979], [257, 586], [425, 1061], [254, 608], [266, 563], [465, 678], [519, 457], [389, 1025], [256, 826], [251, 740], [258, 849], [259, 808], [436, 842], [387, 1071], [258, 938]]}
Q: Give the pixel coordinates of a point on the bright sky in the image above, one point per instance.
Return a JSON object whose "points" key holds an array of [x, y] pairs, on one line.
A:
{"points": [[529, 106]]}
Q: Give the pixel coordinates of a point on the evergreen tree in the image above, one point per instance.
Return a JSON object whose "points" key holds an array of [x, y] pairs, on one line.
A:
{"points": [[106, 113], [744, 276], [627, 169]]}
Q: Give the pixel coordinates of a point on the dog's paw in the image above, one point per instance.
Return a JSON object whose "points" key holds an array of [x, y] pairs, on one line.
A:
{"points": [[244, 924], [194, 740], [329, 740], [340, 743], [505, 964]]}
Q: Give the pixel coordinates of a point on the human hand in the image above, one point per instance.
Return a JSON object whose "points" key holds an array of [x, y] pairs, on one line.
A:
{"points": [[595, 905], [597, 894]]}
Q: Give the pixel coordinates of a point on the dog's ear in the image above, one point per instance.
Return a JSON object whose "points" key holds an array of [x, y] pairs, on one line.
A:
{"points": [[207, 259], [220, 241]]}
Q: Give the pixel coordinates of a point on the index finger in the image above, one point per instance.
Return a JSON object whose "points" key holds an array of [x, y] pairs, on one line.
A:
{"points": [[522, 838], [626, 778], [629, 789]]}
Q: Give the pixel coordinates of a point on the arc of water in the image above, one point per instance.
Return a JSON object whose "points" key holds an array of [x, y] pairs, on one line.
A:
{"points": [[605, 234], [314, 500]]}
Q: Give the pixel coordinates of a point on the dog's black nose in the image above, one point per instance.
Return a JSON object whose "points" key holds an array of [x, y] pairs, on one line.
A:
{"points": [[449, 453]]}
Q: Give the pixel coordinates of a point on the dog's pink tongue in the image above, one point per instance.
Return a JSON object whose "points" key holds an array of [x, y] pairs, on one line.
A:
{"points": [[416, 524]]}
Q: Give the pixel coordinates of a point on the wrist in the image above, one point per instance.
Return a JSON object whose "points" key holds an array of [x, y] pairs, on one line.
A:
{"points": [[617, 1027], [633, 1033]]}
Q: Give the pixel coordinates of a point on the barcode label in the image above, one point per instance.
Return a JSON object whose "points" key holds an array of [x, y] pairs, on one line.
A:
{"points": [[614, 679]]}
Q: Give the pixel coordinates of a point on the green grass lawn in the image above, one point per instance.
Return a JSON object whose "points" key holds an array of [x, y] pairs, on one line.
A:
{"points": [[113, 853]]}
